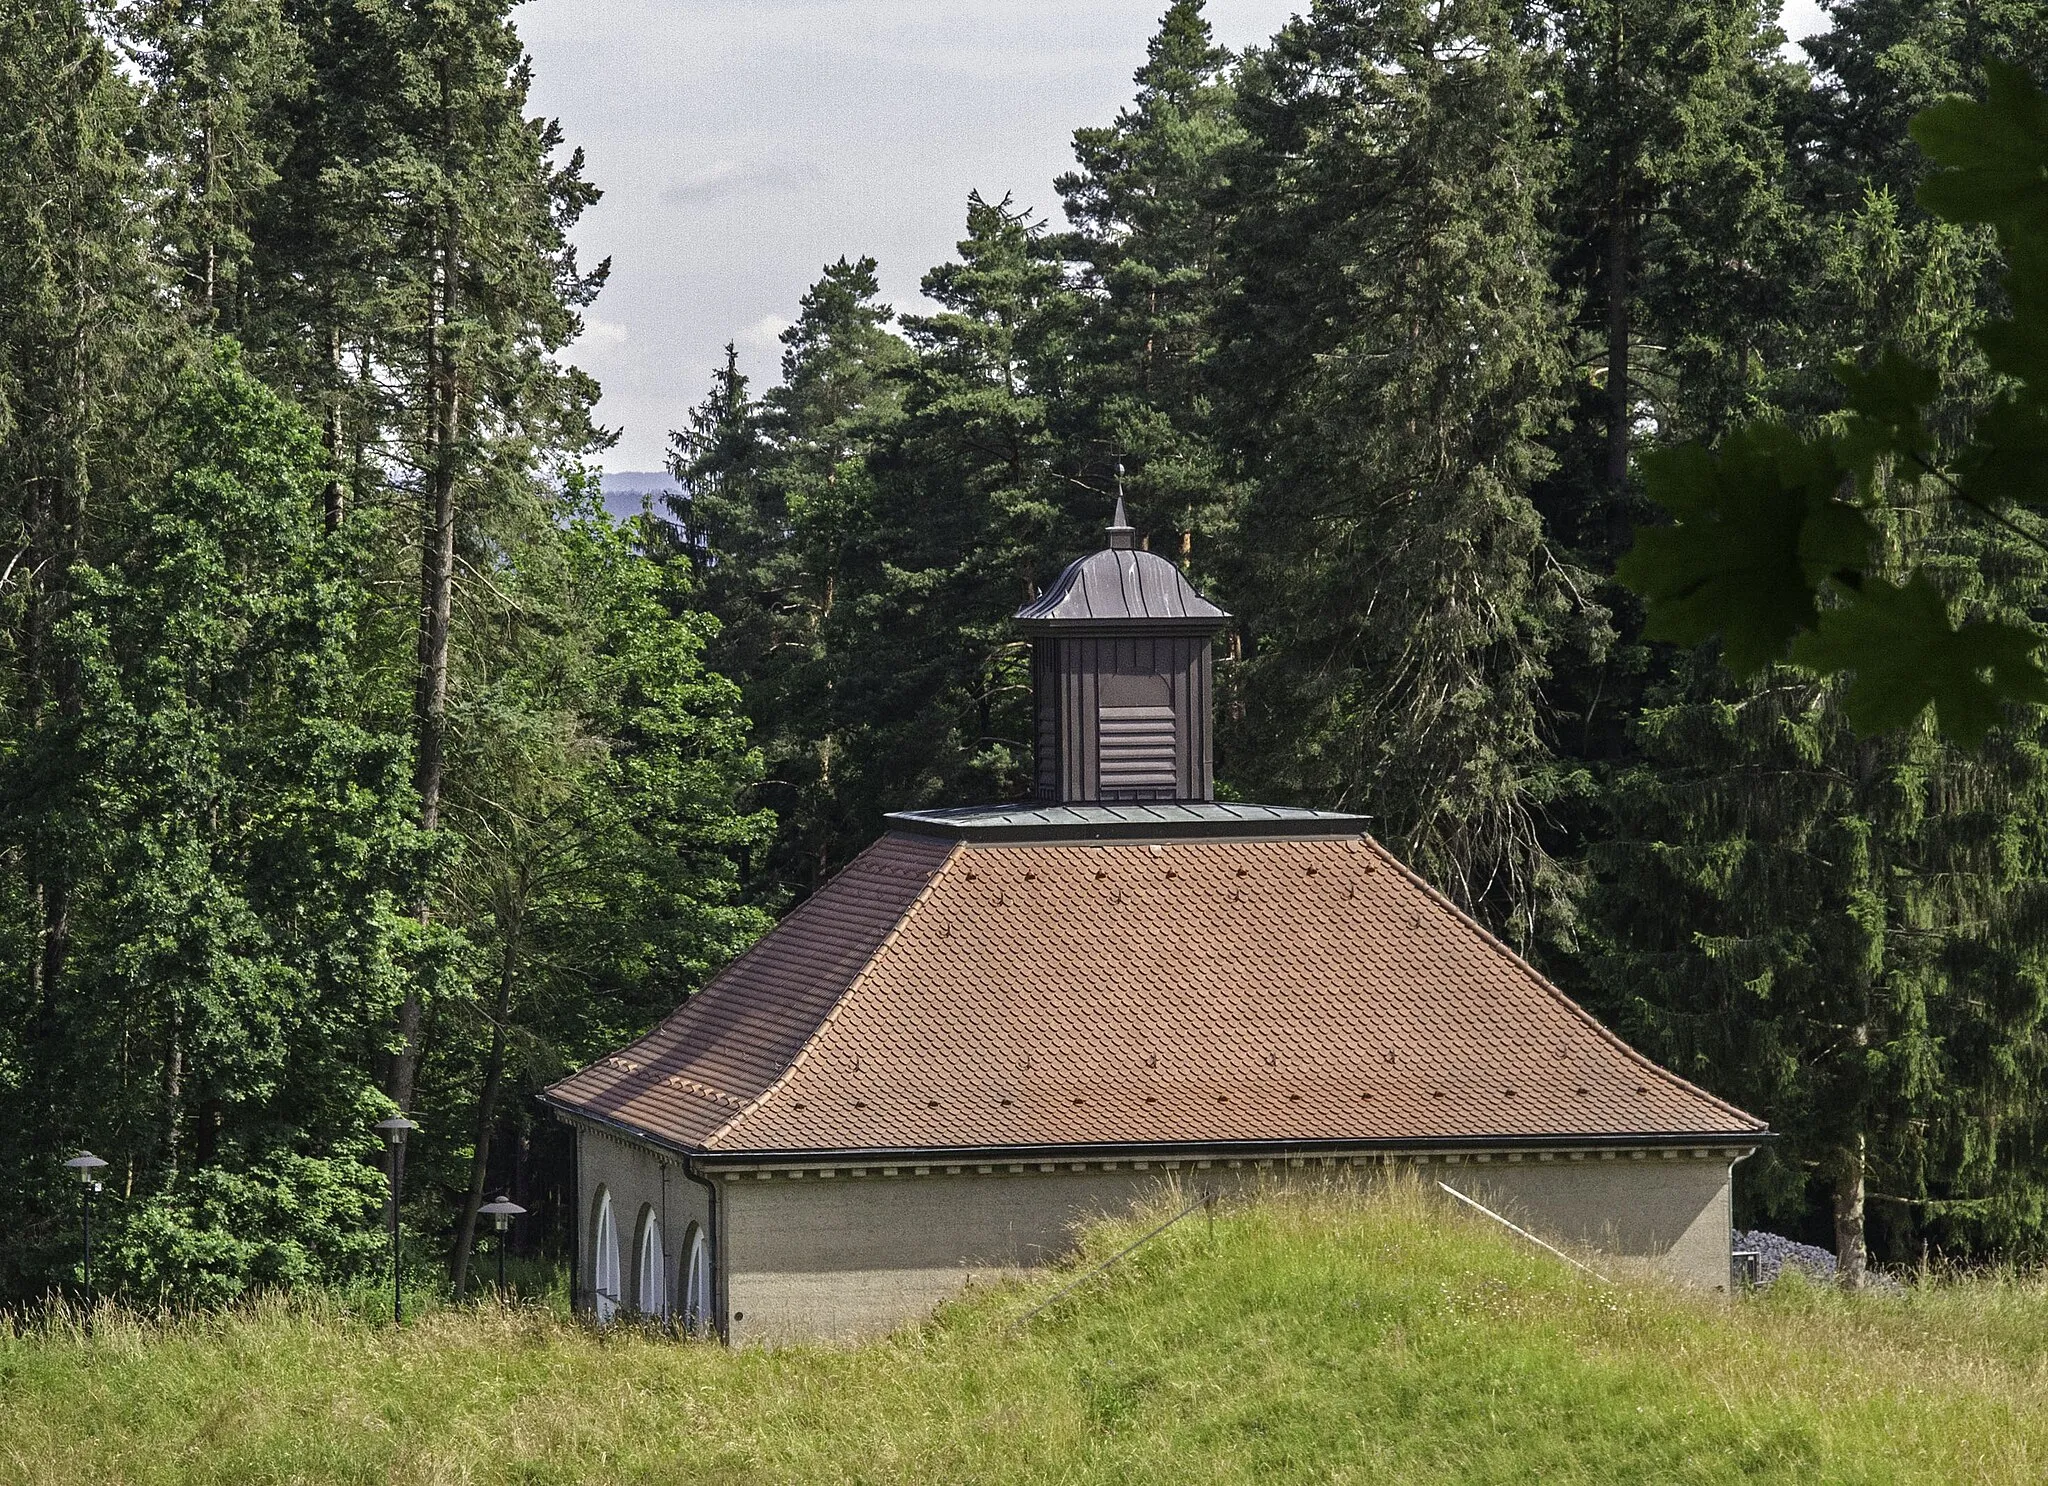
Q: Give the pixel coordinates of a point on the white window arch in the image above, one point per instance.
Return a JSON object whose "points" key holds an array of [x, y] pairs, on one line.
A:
{"points": [[650, 1288], [695, 1290], [604, 1260]]}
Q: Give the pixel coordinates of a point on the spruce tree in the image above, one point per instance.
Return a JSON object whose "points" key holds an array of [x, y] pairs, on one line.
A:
{"points": [[1881, 62], [222, 75], [1392, 354], [83, 353], [1838, 929], [1676, 238]]}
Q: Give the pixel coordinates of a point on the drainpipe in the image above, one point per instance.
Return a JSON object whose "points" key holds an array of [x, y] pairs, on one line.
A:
{"points": [[718, 1293], [575, 1215]]}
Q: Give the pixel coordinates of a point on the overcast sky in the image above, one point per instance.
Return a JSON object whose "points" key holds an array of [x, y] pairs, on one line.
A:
{"points": [[743, 144]]}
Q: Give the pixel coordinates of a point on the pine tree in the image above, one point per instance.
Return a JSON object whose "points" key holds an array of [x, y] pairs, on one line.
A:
{"points": [[785, 493], [1148, 246], [420, 230], [1392, 355], [978, 507]]}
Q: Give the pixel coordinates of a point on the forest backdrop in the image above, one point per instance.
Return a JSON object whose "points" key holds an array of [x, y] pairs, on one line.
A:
{"points": [[352, 760]]}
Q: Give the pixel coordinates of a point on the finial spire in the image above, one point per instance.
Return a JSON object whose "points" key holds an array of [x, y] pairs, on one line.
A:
{"points": [[1120, 529]]}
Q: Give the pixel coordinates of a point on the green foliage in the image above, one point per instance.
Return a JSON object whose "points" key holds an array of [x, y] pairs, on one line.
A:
{"points": [[1839, 930], [1360, 1338], [1759, 528], [286, 1220], [237, 841], [1397, 603], [1750, 558], [1905, 656]]}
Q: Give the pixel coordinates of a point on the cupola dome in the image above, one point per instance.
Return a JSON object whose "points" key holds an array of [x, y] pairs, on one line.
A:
{"points": [[1121, 673]]}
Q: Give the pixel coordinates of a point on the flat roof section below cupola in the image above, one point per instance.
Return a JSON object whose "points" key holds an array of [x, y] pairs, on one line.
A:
{"points": [[1194, 820]]}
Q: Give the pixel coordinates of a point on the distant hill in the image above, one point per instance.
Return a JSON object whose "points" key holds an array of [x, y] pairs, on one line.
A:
{"points": [[626, 491]]}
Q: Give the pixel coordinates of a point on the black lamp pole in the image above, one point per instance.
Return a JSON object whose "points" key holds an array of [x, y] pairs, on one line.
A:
{"points": [[85, 1163], [501, 1213], [395, 1130]]}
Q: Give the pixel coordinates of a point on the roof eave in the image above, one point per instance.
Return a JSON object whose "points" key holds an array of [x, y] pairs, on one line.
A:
{"points": [[1180, 624], [1166, 1150], [1229, 1149]]}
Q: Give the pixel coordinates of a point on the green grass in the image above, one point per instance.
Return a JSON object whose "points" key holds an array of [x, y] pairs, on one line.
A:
{"points": [[1335, 1337]]}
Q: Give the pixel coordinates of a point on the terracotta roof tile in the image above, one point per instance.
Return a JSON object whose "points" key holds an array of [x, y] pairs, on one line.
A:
{"points": [[940, 996]]}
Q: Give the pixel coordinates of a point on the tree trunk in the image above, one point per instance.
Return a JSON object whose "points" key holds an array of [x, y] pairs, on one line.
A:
{"points": [[437, 595], [1618, 400], [174, 1099], [337, 489], [487, 1105], [1851, 1259]]}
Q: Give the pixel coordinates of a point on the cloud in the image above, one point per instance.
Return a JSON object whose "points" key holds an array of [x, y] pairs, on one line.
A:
{"points": [[765, 332], [727, 180], [598, 332]]}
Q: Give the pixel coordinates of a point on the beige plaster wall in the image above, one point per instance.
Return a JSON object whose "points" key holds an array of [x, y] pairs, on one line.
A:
{"points": [[844, 1256], [1674, 1211], [633, 1174]]}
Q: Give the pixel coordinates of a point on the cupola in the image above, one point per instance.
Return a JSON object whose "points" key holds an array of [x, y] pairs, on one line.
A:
{"points": [[1121, 670]]}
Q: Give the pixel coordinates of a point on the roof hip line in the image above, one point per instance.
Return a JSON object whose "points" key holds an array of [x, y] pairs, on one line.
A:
{"points": [[825, 1022]]}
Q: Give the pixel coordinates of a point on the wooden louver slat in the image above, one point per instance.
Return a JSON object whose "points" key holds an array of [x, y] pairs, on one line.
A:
{"points": [[1136, 748]]}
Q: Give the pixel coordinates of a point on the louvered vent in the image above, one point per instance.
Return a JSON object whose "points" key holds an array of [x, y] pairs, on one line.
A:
{"points": [[1137, 752]]}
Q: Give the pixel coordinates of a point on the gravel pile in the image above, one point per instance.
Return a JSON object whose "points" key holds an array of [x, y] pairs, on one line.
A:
{"points": [[1775, 1253]]}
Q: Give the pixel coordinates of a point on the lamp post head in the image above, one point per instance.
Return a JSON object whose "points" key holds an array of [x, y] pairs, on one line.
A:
{"points": [[395, 1128], [502, 1212], [85, 1163]]}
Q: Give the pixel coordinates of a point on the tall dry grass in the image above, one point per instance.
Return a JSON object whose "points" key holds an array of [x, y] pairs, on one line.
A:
{"points": [[1342, 1335]]}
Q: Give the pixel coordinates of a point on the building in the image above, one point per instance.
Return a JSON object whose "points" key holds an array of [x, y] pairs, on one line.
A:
{"points": [[998, 1021]]}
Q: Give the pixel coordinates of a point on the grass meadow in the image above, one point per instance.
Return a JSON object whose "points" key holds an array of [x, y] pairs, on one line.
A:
{"points": [[1347, 1336]]}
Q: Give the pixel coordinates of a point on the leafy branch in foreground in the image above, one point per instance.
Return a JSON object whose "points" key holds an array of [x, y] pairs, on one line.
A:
{"points": [[1773, 547]]}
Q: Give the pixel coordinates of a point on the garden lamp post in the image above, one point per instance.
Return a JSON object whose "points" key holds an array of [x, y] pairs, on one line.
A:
{"points": [[395, 1130], [501, 1214], [85, 1163]]}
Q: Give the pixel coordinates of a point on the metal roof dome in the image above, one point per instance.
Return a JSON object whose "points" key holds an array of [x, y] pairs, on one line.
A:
{"points": [[1120, 585]]}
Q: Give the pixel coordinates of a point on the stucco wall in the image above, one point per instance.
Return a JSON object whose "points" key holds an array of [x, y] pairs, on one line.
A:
{"points": [[847, 1256], [633, 1175], [1674, 1211]]}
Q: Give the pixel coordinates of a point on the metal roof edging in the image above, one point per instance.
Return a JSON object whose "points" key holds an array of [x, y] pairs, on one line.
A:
{"points": [[1201, 1150], [1208, 1150], [1108, 833]]}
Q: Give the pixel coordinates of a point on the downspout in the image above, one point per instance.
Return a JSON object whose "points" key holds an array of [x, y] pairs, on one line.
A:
{"points": [[575, 1216], [718, 1290]]}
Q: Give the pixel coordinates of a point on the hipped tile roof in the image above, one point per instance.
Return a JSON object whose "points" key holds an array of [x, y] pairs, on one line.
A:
{"points": [[942, 995]]}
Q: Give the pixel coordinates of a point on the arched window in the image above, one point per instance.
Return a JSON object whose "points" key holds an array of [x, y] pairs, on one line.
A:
{"points": [[604, 1260], [695, 1290], [650, 1288]]}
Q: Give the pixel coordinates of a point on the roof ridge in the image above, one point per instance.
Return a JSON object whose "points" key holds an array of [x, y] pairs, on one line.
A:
{"points": [[1550, 988], [852, 986]]}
